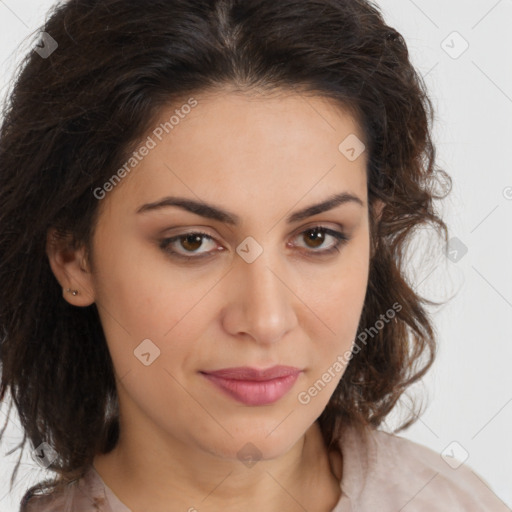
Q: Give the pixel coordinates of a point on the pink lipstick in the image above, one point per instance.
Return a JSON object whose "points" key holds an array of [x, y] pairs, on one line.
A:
{"points": [[252, 386]]}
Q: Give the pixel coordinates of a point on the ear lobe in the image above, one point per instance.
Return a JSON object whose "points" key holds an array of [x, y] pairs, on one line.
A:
{"points": [[69, 268]]}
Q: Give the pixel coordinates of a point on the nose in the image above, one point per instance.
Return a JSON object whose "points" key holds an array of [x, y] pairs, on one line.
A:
{"points": [[261, 302]]}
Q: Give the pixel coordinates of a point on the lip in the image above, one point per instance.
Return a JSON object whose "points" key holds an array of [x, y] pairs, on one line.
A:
{"points": [[252, 386]]}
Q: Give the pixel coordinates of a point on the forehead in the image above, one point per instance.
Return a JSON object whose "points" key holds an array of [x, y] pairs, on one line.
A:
{"points": [[242, 147], [278, 119]]}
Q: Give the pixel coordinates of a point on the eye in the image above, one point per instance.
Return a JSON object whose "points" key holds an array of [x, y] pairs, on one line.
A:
{"points": [[186, 246], [189, 242], [315, 237]]}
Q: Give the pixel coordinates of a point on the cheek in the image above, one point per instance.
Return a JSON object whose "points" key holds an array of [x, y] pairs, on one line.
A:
{"points": [[340, 309], [142, 296], [340, 295], [137, 301], [136, 285]]}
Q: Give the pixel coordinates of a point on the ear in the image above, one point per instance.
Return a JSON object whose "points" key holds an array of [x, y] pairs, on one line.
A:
{"points": [[69, 266]]}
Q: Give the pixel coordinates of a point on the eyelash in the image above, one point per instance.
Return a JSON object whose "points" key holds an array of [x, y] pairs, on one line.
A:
{"points": [[340, 237]]}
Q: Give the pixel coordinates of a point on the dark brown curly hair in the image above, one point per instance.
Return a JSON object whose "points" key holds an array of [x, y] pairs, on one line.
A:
{"points": [[72, 118]]}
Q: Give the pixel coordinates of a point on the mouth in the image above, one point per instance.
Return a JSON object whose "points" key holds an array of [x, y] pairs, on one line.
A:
{"points": [[251, 386]]}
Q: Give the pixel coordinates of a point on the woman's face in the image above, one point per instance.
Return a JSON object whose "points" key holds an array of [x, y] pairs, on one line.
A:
{"points": [[261, 287]]}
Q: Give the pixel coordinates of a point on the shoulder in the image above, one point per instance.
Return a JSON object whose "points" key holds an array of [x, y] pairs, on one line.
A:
{"points": [[57, 500], [389, 472], [82, 495]]}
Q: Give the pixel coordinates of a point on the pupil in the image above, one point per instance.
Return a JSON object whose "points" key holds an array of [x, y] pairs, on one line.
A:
{"points": [[316, 236], [190, 239]]}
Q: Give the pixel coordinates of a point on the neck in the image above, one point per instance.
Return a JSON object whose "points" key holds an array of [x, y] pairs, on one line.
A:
{"points": [[190, 478]]}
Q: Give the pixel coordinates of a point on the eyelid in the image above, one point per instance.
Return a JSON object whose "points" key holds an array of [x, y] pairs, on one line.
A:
{"points": [[338, 234]]}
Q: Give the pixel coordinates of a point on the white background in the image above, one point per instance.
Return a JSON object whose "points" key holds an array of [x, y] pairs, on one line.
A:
{"points": [[468, 393]]}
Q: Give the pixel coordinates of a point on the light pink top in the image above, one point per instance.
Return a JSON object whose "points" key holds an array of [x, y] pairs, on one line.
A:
{"points": [[390, 474]]}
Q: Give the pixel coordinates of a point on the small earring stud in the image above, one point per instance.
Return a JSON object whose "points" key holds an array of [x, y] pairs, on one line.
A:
{"points": [[73, 292]]}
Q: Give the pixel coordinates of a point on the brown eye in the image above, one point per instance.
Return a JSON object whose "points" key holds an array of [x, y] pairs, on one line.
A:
{"points": [[184, 246], [191, 242], [187, 245], [315, 237]]}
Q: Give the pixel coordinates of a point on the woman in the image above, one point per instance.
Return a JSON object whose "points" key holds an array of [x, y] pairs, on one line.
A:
{"points": [[205, 208]]}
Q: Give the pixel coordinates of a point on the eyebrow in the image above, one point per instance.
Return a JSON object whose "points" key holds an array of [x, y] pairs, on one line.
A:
{"points": [[214, 212]]}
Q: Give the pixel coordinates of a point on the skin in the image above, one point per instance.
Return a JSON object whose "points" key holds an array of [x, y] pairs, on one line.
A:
{"points": [[262, 159]]}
